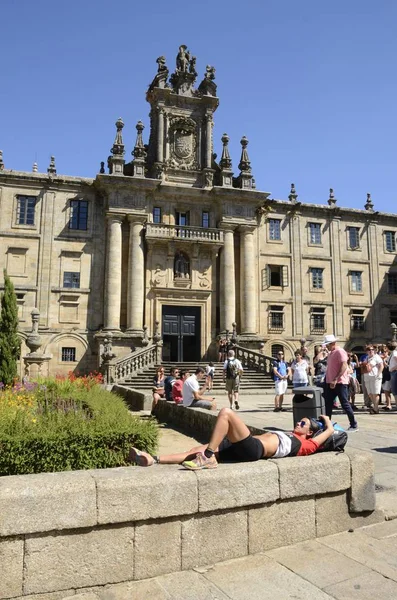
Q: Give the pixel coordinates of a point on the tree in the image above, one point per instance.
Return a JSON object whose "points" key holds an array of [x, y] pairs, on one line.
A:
{"points": [[10, 345]]}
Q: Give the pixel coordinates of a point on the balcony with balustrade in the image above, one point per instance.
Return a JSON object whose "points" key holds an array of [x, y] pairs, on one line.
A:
{"points": [[157, 231]]}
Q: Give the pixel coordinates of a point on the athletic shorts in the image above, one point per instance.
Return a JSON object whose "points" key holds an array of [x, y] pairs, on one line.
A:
{"points": [[248, 450]]}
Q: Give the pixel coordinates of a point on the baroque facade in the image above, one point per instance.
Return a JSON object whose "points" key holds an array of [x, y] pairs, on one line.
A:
{"points": [[173, 243]]}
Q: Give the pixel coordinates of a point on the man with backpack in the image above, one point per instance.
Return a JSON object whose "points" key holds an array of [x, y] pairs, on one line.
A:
{"points": [[281, 372], [309, 436], [232, 372]]}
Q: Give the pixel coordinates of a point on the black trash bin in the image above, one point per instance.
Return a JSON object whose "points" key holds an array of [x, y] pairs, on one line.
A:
{"points": [[308, 402]]}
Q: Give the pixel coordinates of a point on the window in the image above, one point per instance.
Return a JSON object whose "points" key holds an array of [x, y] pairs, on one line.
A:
{"points": [[276, 348], [68, 355], [356, 283], [71, 279], [392, 283], [276, 318], [205, 219], [274, 276], [25, 210], [274, 229], [353, 234], [182, 218], [156, 214], [317, 320], [316, 278], [314, 233], [78, 214], [357, 320], [390, 241]]}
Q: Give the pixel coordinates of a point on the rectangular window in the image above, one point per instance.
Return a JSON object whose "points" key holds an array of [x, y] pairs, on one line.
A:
{"points": [[392, 283], [315, 233], [316, 278], [25, 210], [353, 237], [182, 218], [317, 324], [357, 320], [390, 241], [274, 229], [78, 214], [205, 219], [356, 283], [68, 354], [276, 318], [156, 214], [71, 279]]}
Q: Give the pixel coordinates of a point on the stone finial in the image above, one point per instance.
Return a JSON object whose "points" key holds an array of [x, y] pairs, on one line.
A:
{"points": [[1, 161], [34, 341], [293, 196], [369, 205], [52, 168], [102, 169], [139, 149], [331, 200], [244, 164], [226, 161], [35, 167], [118, 146]]}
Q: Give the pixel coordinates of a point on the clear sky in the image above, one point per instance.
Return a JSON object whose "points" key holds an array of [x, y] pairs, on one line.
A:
{"points": [[312, 84]]}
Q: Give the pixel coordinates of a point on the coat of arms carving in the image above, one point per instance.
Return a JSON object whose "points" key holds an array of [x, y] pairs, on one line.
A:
{"points": [[183, 143]]}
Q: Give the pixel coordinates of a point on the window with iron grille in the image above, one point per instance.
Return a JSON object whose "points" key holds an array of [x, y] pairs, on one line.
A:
{"points": [[317, 319], [316, 276], [205, 219], [156, 214], [390, 241], [353, 234], [276, 318], [78, 214], [315, 233], [71, 279], [274, 229], [357, 320], [68, 354], [392, 283], [356, 282], [25, 210], [276, 348]]}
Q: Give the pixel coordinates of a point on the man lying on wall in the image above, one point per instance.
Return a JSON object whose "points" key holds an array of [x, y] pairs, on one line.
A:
{"points": [[241, 445]]}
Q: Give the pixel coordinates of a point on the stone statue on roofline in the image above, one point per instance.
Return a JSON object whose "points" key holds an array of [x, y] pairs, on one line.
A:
{"points": [[207, 87], [160, 79]]}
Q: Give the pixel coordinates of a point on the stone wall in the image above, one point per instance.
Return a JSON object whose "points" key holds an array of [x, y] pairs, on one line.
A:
{"points": [[62, 532]]}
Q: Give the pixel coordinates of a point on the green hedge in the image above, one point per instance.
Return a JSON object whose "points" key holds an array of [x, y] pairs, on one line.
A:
{"points": [[71, 429]]}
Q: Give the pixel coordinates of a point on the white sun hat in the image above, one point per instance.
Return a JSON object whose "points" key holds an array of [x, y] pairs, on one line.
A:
{"points": [[329, 339]]}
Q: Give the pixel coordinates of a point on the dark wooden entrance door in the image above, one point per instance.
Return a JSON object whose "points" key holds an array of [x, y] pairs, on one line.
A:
{"points": [[181, 333]]}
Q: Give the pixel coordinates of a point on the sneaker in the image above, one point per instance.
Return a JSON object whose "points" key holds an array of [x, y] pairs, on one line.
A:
{"points": [[142, 459], [201, 462], [236, 405], [352, 429]]}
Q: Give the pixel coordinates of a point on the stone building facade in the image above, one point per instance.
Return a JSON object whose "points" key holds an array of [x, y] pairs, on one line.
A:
{"points": [[174, 242]]}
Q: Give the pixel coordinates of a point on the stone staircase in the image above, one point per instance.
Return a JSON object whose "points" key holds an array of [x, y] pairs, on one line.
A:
{"points": [[253, 379]]}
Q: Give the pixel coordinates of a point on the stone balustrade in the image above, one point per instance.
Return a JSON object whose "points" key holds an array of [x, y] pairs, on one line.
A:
{"points": [[181, 233], [131, 364], [253, 359], [65, 532]]}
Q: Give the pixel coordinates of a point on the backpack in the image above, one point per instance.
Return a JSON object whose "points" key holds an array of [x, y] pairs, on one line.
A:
{"points": [[335, 443], [232, 370]]}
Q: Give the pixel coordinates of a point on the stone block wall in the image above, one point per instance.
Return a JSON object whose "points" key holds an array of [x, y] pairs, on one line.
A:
{"points": [[65, 532]]}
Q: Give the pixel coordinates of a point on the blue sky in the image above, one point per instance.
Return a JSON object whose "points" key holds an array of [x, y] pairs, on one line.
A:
{"points": [[312, 84]]}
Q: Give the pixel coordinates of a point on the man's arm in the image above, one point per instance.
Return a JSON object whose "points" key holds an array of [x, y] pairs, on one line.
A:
{"points": [[342, 369]]}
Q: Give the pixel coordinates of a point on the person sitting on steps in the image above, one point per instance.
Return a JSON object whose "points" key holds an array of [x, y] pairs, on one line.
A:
{"points": [[241, 445]]}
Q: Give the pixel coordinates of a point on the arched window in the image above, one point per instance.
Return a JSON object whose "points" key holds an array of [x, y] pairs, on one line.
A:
{"points": [[276, 348], [181, 266]]}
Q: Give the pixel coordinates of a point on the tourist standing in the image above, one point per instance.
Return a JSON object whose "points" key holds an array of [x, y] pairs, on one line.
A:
{"points": [[209, 375], [300, 371], [392, 346], [281, 372], [337, 381], [373, 378]]}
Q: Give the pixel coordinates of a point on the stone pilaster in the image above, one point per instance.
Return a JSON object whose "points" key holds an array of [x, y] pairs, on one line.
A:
{"points": [[136, 277], [113, 273], [160, 139], [208, 142], [336, 274], [228, 281], [248, 296]]}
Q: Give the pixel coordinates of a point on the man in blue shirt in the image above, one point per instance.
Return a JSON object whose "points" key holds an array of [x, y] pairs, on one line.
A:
{"points": [[281, 372]]}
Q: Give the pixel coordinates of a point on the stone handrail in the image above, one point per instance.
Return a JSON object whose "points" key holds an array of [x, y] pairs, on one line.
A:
{"points": [[253, 359], [120, 369], [161, 231]]}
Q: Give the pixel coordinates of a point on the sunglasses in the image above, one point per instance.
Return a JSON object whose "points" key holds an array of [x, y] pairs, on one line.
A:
{"points": [[302, 423]]}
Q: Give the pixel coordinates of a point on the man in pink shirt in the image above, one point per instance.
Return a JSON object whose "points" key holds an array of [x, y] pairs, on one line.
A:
{"points": [[337, 381]]}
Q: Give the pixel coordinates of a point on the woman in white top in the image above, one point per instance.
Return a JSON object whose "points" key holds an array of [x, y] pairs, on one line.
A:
{"points": [[373, 378], [300, 371]]}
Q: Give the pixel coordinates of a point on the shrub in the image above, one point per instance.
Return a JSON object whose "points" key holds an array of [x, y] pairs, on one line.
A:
{"points": [[67, 424], [9, 341]]}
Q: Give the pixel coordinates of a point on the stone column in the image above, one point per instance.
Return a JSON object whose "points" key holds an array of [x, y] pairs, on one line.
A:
{"points": [[136, 278], [248, 296], [160, 139], [227, 281], [208, 153], [167, 144], [113, 273]]}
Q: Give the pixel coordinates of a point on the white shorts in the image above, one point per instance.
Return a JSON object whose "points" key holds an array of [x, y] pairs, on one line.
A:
{"points": [[373, 385], [280, 387]]}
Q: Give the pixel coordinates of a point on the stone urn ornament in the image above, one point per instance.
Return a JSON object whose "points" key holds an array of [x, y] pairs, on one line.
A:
{"points": [[34, 341]]}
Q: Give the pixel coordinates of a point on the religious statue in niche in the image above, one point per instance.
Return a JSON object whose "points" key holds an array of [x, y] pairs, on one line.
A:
{"points": [[181, 266]]}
